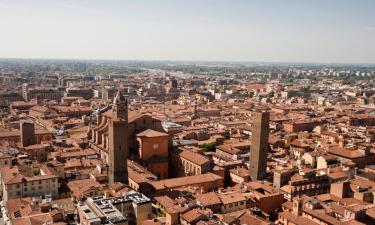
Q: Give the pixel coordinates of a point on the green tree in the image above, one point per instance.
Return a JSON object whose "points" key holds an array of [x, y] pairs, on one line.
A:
{"points": [[209, 146]]}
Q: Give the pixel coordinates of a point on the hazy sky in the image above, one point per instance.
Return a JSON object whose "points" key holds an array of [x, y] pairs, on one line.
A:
{"points": [[248, 30]]}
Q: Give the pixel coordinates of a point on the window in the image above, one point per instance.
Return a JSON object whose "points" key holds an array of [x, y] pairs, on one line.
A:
{"points": [[18, 193]]}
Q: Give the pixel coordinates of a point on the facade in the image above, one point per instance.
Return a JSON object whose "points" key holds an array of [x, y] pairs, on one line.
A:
{"points": [[309, 184], [7, 98], [17, 183], [239, 175], [296, 126], [5, 160], [191, 163], [36, 152], [42, 93], [153, 152], [327, 162], [259, 146]]}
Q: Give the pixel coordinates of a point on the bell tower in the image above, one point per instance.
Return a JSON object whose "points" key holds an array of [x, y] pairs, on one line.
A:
{"points": [[118, 141], [120, 107]]}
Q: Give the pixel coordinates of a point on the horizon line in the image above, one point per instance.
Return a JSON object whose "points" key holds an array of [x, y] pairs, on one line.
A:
{"points": [[189, 60]]}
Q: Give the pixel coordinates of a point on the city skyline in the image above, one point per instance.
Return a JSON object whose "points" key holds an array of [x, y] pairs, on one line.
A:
{"points": [[242, 31]]}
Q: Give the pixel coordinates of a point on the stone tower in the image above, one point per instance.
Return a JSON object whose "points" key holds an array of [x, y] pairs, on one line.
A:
{"points": [[118, 141], [27, 133], [259, 145]]}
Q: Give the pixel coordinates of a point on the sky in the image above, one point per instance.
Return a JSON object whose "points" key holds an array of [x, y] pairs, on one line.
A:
{"points": [[317, 31]]}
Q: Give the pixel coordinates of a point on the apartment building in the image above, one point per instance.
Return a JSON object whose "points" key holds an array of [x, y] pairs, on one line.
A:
{"points": [[27, 181]]}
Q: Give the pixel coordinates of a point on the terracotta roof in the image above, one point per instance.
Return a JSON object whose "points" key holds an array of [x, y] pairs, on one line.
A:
{"points": [[242, 172], [41, 109], [186, 181], [39, 219], [170, 205], [193, 157], [209, 198], [12, 175], [335, 150], [227, 198], [79, 187], [249, 219], [193, 215], [151, 133], [132, 115], [19, 204], [152, 222], [297, 220]]}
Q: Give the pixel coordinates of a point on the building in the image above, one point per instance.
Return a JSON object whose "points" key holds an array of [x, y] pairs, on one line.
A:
{"points": [[118, 143], [239, 175], [153, 152], [327, 161], [36, 211], [173, 83], [85, 93], [259, 146], [98, 135], [73, 112], [17, 182], [206, 182], [320, 210], [297, 126], [36, 152], [13, 135], [5, 159], [7, 98], [84, 188], [306, 183], [132, 209], [191, 163], [27, 133], [41, 93]]}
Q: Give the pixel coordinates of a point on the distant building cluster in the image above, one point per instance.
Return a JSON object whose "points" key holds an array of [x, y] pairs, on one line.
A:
{"points": [[95, 143]]}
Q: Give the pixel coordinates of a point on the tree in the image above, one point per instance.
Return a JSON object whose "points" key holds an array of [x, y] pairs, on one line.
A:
{"points": [[209, 146]]}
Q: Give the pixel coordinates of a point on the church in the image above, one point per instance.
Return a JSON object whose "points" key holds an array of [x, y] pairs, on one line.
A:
{"points": [[120, 134]]}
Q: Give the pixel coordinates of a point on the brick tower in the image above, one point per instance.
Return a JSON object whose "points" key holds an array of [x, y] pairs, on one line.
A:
{"points": [[27, 133], [118, 141], [259, 145]]}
